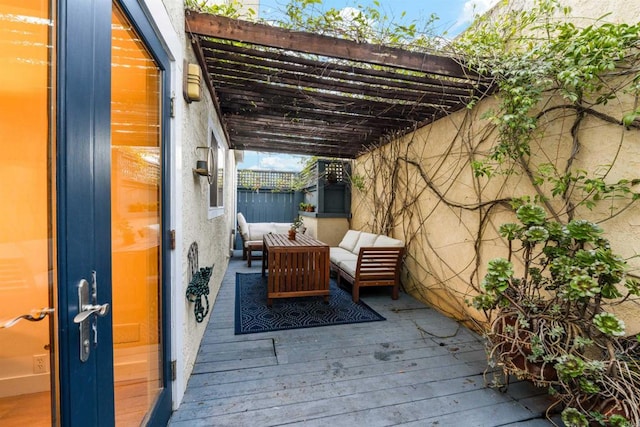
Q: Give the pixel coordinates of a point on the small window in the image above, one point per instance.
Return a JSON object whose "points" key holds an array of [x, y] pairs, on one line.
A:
{"points": [[216, 190]]}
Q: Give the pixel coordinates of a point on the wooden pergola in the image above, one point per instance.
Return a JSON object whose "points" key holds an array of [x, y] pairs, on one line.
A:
{"points": [[294, 92]]}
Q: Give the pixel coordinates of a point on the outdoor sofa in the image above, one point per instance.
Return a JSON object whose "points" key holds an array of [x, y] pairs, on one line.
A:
{"points": [[252, 234], [366, 259]]}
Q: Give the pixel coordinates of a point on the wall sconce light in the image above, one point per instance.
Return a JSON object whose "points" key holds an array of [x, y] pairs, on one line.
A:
{"points": [[191, 82], [203, 167]]}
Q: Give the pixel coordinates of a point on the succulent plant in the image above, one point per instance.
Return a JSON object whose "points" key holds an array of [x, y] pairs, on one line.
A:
{"points": [[551, 323]]}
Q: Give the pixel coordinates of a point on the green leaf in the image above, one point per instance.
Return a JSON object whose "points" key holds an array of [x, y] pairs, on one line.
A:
{"points": [[628, 118], [531, 214]]}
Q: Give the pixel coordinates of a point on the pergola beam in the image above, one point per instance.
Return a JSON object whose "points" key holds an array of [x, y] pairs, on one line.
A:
{"points": [[221, 27], [286, 91]]}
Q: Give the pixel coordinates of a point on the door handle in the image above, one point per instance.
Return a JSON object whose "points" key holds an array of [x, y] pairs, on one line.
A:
{"points": [[89, 309], [87, 303], [34, 316]]}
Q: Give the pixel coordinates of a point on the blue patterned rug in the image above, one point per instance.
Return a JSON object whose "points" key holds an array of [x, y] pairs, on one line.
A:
{"points": [[253, 315]]}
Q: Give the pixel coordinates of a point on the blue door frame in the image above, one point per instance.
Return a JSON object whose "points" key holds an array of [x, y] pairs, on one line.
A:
{"points": [[83, 203]]}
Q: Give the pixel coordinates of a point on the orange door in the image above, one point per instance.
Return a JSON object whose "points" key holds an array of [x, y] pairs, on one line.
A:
{"points": [[44, 377], [135, 223], [27, 203]]}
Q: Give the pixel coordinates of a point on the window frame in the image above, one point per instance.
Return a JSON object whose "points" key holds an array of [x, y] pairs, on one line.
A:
{"points": [[216, 195]]}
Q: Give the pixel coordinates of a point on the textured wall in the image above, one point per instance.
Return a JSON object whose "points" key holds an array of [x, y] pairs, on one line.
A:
{"points": [[438, 202], [196, 222], [586, 12], [210, 233]]}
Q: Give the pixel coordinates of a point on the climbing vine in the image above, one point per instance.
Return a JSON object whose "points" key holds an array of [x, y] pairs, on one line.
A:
{"points": [[565, 95], [537, 57]]}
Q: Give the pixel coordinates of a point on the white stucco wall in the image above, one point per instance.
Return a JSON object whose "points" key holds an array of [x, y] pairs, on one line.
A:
{"points": [[210, 230], [191, 217]]}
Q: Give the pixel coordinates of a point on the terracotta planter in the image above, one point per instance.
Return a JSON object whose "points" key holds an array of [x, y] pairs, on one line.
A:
{"points": [[538, 372], [514, 348], [292, 234], [607, 408]]}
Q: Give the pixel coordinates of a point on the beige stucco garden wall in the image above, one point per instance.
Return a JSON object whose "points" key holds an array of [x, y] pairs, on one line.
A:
{"points": [[439, 208], [585, 12]]}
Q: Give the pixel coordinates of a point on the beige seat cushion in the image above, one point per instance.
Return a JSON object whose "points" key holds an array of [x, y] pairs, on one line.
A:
{"points": [[254, 243], [337, 255], [349, 267]]}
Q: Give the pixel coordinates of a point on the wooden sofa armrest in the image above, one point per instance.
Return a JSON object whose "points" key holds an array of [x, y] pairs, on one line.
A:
{"points": [[249, 247], [377, 266], [244, 249]]}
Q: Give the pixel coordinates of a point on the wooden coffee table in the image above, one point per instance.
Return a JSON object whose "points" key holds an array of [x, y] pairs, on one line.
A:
{"points": [[296, 268]]}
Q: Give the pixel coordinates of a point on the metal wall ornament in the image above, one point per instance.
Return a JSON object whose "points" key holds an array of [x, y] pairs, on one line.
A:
{"points": [[197, 290], [198, 284]]}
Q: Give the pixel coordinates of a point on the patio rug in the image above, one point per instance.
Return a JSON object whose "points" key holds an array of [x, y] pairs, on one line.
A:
{"points": [[253, 315]]}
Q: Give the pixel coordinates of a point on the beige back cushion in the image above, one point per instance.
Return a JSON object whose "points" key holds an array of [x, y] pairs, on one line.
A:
{"points": [[349, 240], [388, 242], [257, 230], [280, 227], [365, 240], [242, 225]]}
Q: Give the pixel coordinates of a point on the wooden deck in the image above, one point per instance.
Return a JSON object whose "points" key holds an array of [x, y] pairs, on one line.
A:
{"points": [[417, 368]]}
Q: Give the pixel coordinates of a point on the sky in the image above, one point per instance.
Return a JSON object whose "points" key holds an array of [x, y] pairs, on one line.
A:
{"points": [[454, 17]]}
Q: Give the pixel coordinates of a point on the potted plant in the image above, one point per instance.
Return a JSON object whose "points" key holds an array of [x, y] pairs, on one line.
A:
{"points": [[307, 207], [295, 225], [550, 322]]}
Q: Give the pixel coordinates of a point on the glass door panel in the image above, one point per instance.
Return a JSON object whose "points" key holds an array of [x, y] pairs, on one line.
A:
{"points": [[135, 210], [27, 259]]}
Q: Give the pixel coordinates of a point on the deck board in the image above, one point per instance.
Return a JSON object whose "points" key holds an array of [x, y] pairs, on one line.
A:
{"points": [[416, 368]]}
